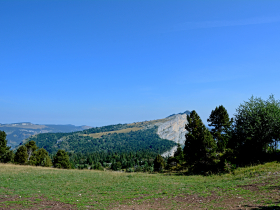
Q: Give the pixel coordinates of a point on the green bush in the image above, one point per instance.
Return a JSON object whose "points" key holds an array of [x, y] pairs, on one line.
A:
{"points": [[61, 160], [21, 155]]}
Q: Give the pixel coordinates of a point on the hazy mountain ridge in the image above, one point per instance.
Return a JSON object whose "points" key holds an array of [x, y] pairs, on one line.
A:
{"points": [[17, 132]]}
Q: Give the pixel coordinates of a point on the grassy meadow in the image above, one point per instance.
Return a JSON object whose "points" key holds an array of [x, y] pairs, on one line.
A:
{"points": [[27, 187]]}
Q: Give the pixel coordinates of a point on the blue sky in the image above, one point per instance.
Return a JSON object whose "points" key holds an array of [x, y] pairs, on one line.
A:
{"points": [[104, 62]]}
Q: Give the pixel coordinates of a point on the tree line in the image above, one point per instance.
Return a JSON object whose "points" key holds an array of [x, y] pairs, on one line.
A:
{"points": [[30, 154], [251, 137], [133, 161]]}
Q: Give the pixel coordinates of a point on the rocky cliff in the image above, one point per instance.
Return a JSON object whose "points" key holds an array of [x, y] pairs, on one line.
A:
{"points": [[173, 129]]}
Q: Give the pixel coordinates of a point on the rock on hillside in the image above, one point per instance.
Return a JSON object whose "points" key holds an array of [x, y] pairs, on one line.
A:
{"points": [[173, 129], [159, 135]]}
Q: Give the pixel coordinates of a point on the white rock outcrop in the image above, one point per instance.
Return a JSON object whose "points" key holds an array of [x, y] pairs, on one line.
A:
{"points": [[173, 129]]}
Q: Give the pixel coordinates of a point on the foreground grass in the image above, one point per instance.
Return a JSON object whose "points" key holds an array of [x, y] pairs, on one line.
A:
{"points": [[105, 190]]}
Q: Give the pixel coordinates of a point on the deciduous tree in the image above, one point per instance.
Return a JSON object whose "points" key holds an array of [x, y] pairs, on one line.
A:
{"points": [[256, 128], [31, 147]]}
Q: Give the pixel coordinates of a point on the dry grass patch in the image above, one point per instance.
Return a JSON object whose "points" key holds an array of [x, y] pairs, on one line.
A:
{"points": [[98, 135]]}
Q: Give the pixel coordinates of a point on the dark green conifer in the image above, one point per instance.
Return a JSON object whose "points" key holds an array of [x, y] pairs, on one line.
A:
{"points": [[159, 163], [21, 155], [5, 154], [61, 160], [219, 119], [200, 147], [179, 154]]}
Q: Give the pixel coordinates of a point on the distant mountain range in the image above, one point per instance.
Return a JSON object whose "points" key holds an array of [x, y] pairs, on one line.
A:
{"points": [[160, 136], [17, 132]]}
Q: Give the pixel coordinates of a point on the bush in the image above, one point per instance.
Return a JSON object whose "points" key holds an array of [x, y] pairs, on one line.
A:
{"points": [[21, 155], [61, 160], [41, 158]]}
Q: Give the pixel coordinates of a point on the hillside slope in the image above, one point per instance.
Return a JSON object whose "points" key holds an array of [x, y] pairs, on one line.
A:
{"points": [[160, 136], [17, 132]]}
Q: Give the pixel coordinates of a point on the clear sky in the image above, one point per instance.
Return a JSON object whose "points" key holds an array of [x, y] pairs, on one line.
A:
{"points": [[101, 62]]}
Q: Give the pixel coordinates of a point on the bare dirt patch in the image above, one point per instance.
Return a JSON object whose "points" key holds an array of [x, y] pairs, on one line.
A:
{"points": [[196, 202], [15, 202]]}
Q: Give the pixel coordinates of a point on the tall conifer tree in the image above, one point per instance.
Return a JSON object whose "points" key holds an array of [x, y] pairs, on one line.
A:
{"points": [[200, 147], [6, 155], [221, 123]]}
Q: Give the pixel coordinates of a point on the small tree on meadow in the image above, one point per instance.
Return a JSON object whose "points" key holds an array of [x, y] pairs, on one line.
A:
{"points": [[200, 147], [61, 160], [159, 163], [21, 155]]}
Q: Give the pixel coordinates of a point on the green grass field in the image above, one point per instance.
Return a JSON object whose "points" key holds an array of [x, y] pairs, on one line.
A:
{"points": [[27, 187]]}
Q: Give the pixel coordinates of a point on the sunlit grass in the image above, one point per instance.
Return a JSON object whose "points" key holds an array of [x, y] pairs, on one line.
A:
{"points": [[102, 188]]}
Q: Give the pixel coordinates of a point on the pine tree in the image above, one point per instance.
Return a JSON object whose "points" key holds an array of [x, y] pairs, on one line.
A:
{"points": [[61, 160], [200, 147], [5, 154], [179, 154], [21, 155], [3, 143], [221, 122], [159, 163]]}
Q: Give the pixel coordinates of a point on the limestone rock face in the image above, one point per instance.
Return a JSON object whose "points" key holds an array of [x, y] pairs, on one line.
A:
{"points": [[173, 129]]}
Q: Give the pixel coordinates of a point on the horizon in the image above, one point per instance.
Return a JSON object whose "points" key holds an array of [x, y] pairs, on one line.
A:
{"points": [[89, 125], [99, 63]]}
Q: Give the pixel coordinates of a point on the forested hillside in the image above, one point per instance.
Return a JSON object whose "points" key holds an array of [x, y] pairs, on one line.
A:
{"points": [[119, 138]]}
